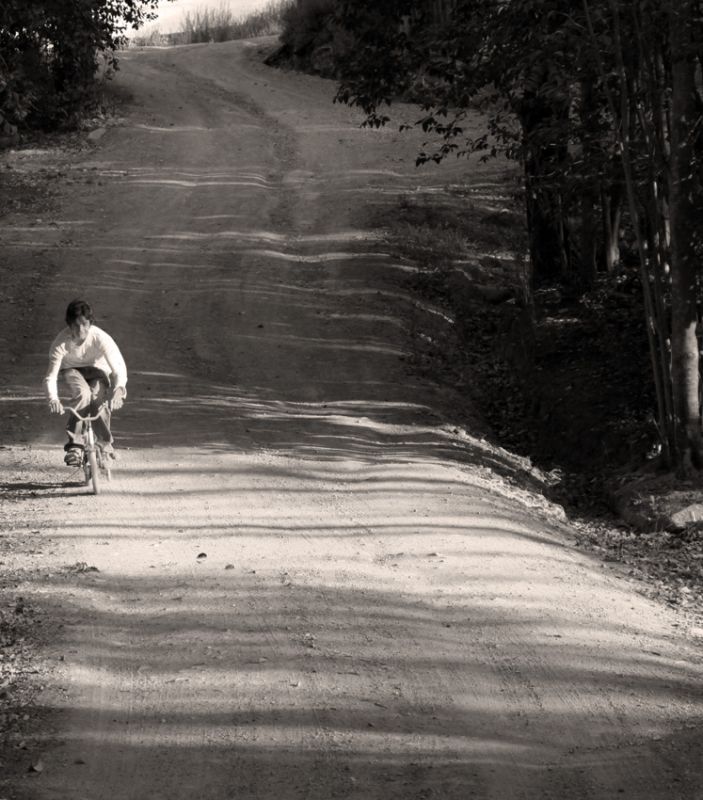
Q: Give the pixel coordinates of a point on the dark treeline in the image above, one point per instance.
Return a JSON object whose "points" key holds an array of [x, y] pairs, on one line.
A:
{"points": [[598, 100]]}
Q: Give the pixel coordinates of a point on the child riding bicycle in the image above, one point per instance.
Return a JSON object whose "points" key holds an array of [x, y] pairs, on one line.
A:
{"points": [[91, 368]]}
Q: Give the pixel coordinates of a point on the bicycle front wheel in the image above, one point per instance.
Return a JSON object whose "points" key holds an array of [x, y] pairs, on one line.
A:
{"points": [[93, 461]]}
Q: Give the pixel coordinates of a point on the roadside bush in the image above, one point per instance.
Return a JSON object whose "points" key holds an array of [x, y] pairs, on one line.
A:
{"points": [[152, 37], [14, 103], [310, 41], [49, 56], [305, 24]]}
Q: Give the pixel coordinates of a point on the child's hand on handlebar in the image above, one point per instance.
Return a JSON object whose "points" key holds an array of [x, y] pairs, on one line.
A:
{"points": [[55, 407], [117, 399]]}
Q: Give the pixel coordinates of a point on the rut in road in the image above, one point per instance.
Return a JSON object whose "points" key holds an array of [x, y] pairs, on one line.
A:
{"points": [[304, 581]]}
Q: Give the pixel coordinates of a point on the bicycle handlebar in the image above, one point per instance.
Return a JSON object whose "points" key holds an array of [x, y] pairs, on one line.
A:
{"points": [[86, 418]]}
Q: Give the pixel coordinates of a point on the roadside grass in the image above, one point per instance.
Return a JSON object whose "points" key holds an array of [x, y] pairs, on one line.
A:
{"points": [[20, 634], [544, 372], [465, 249], [222, 24], [219, 24], [428, 247], [436, 233]]}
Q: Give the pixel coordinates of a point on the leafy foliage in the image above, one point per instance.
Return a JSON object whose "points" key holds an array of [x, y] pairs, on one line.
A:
{"points": [[601, 102], [49, 54]]}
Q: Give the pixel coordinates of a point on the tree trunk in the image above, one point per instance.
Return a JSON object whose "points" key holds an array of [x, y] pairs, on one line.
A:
{"points": [[612, 210], [544, 233], [548, 243], [684, 343], [588, 238], [657, 327], [588, 257]]}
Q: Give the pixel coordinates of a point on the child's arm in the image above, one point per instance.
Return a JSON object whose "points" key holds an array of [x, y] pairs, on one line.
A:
{"points": [[56, 355]]}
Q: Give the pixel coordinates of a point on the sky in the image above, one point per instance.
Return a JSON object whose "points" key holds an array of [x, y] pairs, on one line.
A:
{"points": [[171, 13]]}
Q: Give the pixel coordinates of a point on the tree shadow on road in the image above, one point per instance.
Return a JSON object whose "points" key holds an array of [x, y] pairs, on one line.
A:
{"points": [[296, 690]]}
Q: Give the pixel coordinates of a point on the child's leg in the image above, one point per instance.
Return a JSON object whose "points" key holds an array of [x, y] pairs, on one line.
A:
{"points": [[99, 394], [79, 394]]}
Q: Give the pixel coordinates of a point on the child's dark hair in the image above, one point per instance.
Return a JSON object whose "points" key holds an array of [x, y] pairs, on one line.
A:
{"points": [[78, 308]]}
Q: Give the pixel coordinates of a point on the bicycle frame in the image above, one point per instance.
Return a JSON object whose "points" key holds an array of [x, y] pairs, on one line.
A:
{"points": [[93, 459]]}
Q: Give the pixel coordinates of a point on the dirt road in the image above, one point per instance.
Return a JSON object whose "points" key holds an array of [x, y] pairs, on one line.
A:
{"points": [[303, 582]]}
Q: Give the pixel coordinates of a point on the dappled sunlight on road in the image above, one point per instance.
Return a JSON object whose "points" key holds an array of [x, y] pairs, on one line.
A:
{"points": [[247, 682]]}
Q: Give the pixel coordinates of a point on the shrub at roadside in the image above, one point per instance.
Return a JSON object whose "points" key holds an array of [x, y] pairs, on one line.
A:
{"points": [[50, 51], [310, 40]]}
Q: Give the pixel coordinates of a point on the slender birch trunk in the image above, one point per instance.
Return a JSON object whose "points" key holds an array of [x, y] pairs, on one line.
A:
{"points": [[684, 317]]}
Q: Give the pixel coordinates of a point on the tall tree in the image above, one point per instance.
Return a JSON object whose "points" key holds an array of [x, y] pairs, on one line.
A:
{"points": [[524, 65], [684, 198], [607, 101]]}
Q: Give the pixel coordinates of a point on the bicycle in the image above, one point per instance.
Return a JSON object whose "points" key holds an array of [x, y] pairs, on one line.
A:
{"points": [[94, 460]]}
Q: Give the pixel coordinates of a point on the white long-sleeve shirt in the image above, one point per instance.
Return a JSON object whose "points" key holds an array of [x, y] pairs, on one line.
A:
{"points": [[98, 350]]}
